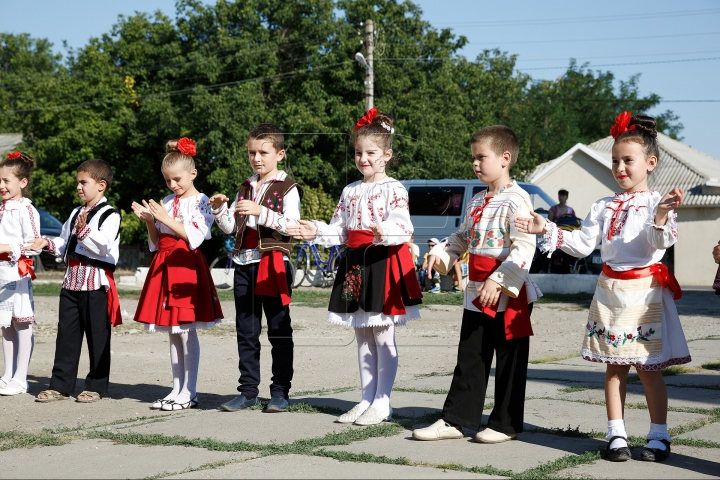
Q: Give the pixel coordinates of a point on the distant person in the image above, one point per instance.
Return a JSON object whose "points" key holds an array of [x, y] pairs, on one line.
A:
{"points": [[414, 250], [424, 271], [557, 211]]}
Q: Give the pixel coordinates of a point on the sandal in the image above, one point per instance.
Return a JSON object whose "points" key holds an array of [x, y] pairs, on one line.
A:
{"points": [[51, 396], [158, 404], [621, 454], [655, 454], [172, 406], [94, 397]]}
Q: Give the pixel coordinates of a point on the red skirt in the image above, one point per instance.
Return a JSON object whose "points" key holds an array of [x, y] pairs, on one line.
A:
{"points": [[179, 291]]}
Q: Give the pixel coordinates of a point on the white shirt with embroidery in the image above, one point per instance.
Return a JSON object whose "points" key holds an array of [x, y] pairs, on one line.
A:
{"points": [[625, 227], [384, 203], [195, 215], [19, 225], [225, 216]]}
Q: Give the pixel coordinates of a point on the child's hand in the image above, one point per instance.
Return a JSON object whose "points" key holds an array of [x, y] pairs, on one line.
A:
{"points": [[489, 293], [247, 207], [81, 221], [378, 232], [37, 245], [670, 201], [303, 231], [716, 253], [431, 261], [217, 200], [143, 212], [158, 211], [535, 224]]}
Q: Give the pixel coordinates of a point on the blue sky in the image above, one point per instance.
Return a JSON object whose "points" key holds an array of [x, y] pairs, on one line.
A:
{"points": [[662, 40]]}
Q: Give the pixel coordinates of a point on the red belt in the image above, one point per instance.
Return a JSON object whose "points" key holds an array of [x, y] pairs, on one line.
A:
{"points": [[399, 271], [114, 314], [272, 277], [517, 313], [658, 270], [25, 265]]}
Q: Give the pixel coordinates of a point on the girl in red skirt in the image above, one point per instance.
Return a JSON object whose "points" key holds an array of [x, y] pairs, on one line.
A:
{"points": [[179, 295]]}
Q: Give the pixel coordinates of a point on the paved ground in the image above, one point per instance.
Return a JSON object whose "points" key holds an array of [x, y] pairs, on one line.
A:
{"points": [[121, 437]]}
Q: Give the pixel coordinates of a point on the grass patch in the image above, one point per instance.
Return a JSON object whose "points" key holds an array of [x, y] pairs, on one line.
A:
{"points": [[53, 290], [360, 457], [581, 298], [433, 374], [568, 461], [678, 370], [553, 359], [11, 440], [711, 366], [578, 388], [307, 408], [434, 391], [322, 391]]}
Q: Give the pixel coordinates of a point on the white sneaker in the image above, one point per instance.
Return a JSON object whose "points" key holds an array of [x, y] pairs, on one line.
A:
{"points": [[13, 388], [351, 415], [372, 416], [437, 431], [491, 436]]}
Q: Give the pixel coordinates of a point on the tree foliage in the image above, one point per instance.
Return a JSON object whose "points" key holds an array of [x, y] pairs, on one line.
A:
{"points": [[213, 72]]}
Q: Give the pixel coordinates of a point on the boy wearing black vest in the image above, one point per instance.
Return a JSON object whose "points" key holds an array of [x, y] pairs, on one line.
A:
{"points": [[264, 206], [89, 244]]}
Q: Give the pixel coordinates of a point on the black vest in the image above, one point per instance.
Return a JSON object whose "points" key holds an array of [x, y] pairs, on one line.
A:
{"points": [[72, 243]]}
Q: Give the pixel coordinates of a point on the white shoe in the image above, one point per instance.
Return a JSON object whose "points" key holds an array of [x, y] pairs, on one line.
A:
{"points": [[491, 436], [352, 415], [437, 431], [13, 388], [372, 416], [4, 382], [158, 404]]}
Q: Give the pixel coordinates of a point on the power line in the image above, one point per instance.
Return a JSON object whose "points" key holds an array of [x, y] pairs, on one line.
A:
{"points": [[631, 63], [606, 39]]}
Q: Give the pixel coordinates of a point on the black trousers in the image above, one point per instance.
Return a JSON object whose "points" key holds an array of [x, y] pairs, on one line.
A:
{"points": [[248, 324], [480, 337], [82, 313]]}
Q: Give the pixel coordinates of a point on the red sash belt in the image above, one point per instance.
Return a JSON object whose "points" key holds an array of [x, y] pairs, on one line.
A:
{"points": [[658, 270], [399, 271], [272, 277], [25, 265], [114, 314], [517, 313]]}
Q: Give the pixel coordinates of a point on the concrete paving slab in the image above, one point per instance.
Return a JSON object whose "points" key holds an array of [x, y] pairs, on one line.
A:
{"points": [[529, 451], [553, 414], [679, 397], [574, 371], [683, 462], [704, 351], [405, 404], [105, 459], [301, 466], [704, 378], [441, 384], [247, 426], [710, 433]]}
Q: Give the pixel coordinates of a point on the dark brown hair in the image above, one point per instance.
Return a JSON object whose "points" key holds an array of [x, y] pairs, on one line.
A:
{"points": [[644, 134], [99, 170], [21, 166], [271, 132], [380, 129], [173, 156], [500, 139]]}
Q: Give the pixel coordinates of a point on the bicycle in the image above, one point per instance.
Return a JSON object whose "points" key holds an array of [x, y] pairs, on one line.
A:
{"points": [[225, 260], [328, 268]]}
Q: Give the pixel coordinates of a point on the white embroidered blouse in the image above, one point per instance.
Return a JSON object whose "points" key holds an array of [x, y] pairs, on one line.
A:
{"points": [[625, 227], [19, 225], [384, 203], [195, 215]]}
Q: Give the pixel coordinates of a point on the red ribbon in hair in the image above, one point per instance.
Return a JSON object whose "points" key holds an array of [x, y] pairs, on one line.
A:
{"points": [[621, 124], [186, 146], [12, 155], [367, 118]]}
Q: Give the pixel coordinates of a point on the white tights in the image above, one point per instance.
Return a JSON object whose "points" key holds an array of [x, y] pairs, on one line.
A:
{"points": [[378, 362], [18, 342], [185, 360]]}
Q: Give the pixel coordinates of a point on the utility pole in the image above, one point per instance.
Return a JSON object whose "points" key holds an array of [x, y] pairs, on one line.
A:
{"points": [[369, 72]]}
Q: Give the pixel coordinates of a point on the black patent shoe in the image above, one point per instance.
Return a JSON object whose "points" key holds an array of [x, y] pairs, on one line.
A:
{"points": [[621, 454], [655, 454], [277, 404], [238, 403]]}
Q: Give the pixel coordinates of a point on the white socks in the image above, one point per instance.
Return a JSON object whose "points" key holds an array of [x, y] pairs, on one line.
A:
{"points": [[657, 432], [616, 428], [18, 343], [185, 360], [378, 363]]}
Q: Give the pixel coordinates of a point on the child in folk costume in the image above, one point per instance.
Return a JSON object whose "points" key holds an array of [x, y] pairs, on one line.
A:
{"points": [[179, 295], [633, 320], [498, 298], [375, 288], [89, 305], [716, 257], [19, 225], [265, 205]]}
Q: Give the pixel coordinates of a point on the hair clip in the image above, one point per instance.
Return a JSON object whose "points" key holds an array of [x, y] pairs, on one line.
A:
{"points": [[387, 127]]}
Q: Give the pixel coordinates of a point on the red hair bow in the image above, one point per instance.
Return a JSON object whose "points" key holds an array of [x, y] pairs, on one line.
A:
{"points": [[12, 155], [366, 119], [186, 146], [621, 124]]}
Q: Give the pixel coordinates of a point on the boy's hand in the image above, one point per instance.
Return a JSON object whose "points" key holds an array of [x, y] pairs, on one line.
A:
{"points": [[670, 201], [303, 231], [81, 221], [535, 224], [378, 232], [158, 211], [217, 200], [716, 253], [247, 207], [37, 244], [489, 293], [143, 212]]}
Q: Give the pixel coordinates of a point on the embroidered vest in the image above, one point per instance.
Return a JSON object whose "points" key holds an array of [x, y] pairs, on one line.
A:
{"points": [[268, 239], [72, 243]]}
